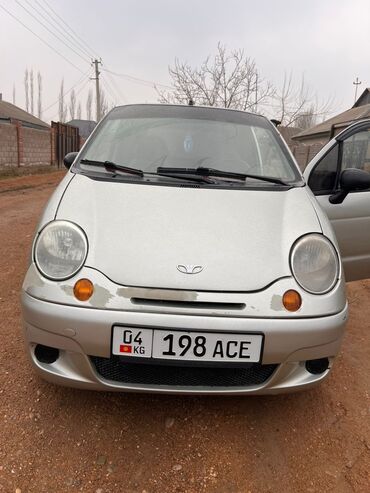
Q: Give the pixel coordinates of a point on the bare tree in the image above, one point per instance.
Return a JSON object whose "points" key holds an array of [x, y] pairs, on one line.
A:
{"points": [[307, 119], [79, 111], [62, 106], [31, 92], [104, 107], [72, 105], [296, 105], [26, 90], [13, 93], [39, 95], [229, 79], [89, 105]]}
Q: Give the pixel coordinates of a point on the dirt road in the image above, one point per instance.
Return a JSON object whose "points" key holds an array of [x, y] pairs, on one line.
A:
{"points": [[54, 439]]}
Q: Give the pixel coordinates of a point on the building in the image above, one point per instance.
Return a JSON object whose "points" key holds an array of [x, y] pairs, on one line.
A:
{"points": [[9, 111], [323, 132], [24, 138], [306, 144], [288, 133], [85, 127]]}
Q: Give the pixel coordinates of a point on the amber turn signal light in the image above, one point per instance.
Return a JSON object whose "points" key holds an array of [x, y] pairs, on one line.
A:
{"points": [[292, 300], [83, 289]]}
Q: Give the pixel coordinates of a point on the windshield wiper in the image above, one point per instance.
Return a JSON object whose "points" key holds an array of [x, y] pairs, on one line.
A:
{"points": [[200, 171], [110, 166], [199, 174], [113, 167]]}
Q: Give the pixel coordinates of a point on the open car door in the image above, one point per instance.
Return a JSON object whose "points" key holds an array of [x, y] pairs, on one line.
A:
{"points": [[339, 176]]}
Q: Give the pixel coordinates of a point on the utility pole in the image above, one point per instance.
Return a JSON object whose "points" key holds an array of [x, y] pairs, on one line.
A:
{"points": [[356, 83], [97, 88]]}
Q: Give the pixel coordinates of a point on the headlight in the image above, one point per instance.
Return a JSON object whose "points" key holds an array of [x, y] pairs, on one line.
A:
{"points": [[314, 263], [60, 250]]}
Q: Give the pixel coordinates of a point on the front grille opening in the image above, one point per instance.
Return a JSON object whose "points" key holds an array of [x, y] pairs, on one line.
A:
{"points": [[117, 370], [205, 305]]}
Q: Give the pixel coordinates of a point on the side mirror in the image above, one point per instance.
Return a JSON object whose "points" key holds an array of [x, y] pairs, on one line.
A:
{"points": [[351, 180], [69, 158]]}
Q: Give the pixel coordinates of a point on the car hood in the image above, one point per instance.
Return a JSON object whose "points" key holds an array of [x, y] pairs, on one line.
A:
{"points": [[145, 235]]}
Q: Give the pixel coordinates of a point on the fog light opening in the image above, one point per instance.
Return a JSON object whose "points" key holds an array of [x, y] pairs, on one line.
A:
{"points": [[83, 289], [317, 366], [46, 354], [292, 300]]}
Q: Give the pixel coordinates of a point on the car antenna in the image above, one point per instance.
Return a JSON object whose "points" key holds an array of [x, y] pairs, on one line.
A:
{"points": [[275, 122], [191, 102]]}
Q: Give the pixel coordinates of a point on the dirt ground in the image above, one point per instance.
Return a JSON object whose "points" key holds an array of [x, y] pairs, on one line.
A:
{"points": [[55, 439]]}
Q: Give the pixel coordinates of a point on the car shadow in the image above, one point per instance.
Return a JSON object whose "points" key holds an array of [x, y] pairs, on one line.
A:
{"points": [[189, 407]]}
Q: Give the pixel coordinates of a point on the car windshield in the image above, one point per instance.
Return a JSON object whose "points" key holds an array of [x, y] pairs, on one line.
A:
{"points": [[151, 136]]}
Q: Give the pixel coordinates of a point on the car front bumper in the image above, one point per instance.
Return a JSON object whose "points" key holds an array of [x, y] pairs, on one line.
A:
{"points": [[83, 336]]}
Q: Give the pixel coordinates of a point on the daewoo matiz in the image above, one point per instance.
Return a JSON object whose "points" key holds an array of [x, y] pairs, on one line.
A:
{"points": [[184, 252]]}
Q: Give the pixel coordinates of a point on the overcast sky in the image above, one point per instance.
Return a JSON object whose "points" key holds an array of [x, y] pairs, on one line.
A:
{"points": [[327, 40]]}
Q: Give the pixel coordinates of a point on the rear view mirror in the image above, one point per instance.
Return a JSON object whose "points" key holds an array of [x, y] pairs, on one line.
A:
{"points": [[351, 180], [69, 158]]}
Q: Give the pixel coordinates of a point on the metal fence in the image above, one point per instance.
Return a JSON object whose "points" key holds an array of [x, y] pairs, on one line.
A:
{"points": [[66, 139]]}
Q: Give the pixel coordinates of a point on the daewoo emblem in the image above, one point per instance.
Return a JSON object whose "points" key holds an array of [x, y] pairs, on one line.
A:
{"points": [[189, 269]]}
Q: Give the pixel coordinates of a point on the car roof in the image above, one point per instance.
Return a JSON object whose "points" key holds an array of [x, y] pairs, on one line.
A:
{"points": [[183, 107]]}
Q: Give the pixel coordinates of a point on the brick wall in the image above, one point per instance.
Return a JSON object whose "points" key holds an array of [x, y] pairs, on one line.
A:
{"points": [[8, 145], [36, 147], [24, 146]]}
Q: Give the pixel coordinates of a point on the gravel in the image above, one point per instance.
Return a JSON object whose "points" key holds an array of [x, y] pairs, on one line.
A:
{"points": [[54, 439]]}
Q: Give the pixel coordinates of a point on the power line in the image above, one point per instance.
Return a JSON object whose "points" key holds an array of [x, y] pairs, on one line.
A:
{"points": [[50, 31], [69, 90], [41, 39], [77, 93], [48, 17], [76, 42], [73, 39], [136, 79], [68, 27], [109, 89], [118, 89], [109, 81]]}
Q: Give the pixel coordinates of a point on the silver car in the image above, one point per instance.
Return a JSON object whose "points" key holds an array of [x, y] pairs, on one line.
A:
{"points": [[185, 252]]}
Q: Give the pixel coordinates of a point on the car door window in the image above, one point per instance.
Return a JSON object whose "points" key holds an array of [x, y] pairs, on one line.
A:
{"points": [[350, 219], [356, 151], [323, 177]]}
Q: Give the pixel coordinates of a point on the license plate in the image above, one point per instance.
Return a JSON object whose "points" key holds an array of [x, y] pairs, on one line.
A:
{"points": [[184, 345]]}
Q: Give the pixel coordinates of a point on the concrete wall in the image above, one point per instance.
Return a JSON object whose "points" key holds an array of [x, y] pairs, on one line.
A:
{"points": [[303, 153], [36, 147], [24, 146], [305, 150], [8, 145]]}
